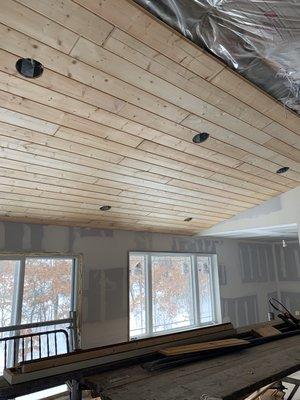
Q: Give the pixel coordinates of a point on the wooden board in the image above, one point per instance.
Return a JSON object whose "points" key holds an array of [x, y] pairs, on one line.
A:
{"points": [[112, 118], [91, 375], [266, 331], [142, 345], [228, 377], [198, 347]]}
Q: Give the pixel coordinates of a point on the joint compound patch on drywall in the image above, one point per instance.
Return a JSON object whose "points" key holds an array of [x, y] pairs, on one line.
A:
{"points": [[106, 296], [13, 236], [37, 236], [222, 274], [96, 232], [2, 236], [185, 244], [256, 262], [143, 241], [55, 238], [240, 310], [288, 261], [27, 237]]}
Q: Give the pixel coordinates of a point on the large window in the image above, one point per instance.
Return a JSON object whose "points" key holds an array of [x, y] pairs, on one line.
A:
{"points": [[172, 291], [36, 289]]}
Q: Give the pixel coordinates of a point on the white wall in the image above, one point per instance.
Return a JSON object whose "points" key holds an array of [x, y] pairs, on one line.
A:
{"points": [[281, 211], [246, 282]]}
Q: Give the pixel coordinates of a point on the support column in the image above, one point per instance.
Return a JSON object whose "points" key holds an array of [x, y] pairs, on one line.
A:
{"points": [[75, 390]]}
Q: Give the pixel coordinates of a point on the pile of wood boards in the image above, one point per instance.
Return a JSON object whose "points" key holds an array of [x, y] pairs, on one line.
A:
{"points": [[81, 359]]}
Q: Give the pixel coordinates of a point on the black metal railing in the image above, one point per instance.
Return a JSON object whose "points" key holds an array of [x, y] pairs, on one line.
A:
{"points": [[19, 343], [18, 347]]}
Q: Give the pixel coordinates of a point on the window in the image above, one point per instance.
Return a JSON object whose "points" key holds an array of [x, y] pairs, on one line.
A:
{"points": [[36, 289], [172, 291]]}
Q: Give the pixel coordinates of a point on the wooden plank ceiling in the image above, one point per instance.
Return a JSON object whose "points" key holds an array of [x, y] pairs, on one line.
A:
{"points": [[111, 122]]}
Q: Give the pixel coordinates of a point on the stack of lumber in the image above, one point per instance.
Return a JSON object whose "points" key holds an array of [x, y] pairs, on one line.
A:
{"points": [[36, 369]]}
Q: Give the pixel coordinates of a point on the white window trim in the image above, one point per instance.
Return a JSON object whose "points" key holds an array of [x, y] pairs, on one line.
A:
{"points": [[215, 291], [17, 300]]}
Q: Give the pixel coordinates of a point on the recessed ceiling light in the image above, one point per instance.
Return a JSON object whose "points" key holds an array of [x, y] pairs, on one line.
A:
{"points": [[200, 137], [188, 219], [29, 67], [105, 208], [282, 170]]}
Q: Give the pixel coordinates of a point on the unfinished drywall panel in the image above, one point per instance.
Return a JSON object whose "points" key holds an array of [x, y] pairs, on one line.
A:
{"points": [[244, 288], [287, 259]]}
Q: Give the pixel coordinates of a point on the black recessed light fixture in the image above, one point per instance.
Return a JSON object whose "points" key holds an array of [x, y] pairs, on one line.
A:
{"points": [[29, 68], [200, 137], [105, 208], [188, 219], [282, 170]]}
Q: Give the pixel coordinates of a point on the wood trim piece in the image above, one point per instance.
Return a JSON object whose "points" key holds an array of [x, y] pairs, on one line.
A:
{"points": [[101, 356]]}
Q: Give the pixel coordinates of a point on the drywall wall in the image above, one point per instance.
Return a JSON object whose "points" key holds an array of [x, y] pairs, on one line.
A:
{"points": [[281, 211], [247, 272]]}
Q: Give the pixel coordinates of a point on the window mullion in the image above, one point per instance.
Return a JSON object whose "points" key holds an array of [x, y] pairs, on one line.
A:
{"points": [[196, 291], [73, 286], [18, 294], [149, 310], [214, 277], [17, 301]]}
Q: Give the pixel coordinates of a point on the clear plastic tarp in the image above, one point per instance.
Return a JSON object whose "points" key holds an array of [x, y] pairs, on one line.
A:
{"points": [[260, 39]]}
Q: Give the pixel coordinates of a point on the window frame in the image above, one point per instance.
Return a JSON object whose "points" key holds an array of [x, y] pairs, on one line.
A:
{"points": [[214, 290], [17, 302]]}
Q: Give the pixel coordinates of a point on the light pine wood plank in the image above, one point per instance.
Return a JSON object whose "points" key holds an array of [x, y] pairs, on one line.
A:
{"points": [[12, 117], [254, 144], [155, 148], [112, 118], [120, 68], [82, 203], [61, 144], [126, 217], [251, 95], [279, 159], [35, 149], [28, 180], [132, 19], [137, 52], [131, 139], [68, 14], [36, 26], [23, 105], [19, 44], [34, 218], [123, 37]]}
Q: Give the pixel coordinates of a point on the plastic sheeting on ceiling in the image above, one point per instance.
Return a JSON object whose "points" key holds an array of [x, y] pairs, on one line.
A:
{"points": [[260, 39]]}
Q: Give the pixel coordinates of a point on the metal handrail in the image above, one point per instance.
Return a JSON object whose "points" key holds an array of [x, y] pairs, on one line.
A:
{"points": [[16, 344], [71, 340], [12, 328]]}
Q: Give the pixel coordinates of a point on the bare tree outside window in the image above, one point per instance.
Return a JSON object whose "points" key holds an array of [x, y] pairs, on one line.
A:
{"points": [[47, 289], [172, 295], [8, 270], [172, 291], [137, 295], [36, 290]]}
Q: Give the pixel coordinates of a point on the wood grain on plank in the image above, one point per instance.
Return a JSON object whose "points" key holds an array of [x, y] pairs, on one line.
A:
{"points": [[198, 347], [120, 99]]}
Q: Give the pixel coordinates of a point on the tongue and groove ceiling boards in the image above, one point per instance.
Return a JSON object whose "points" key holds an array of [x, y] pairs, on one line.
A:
{"points": [[112, 118]]}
